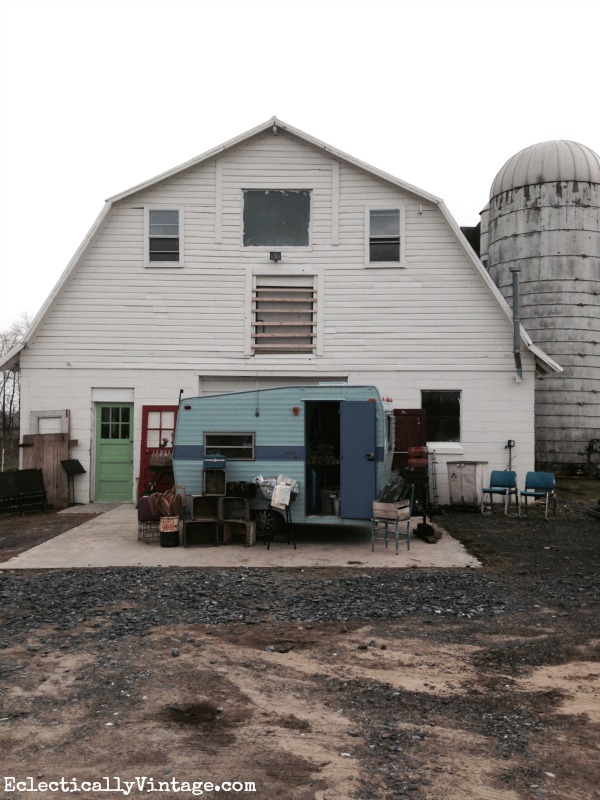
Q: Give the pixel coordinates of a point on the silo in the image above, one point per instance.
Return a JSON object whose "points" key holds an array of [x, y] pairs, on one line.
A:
{"points": [[543, 218]]}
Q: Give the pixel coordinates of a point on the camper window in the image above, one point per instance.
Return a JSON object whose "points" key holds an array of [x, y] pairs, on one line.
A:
{"points": [[236, 446]]}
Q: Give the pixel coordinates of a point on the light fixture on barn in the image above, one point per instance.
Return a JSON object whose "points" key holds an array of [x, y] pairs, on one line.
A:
{"points": [[275, 256]]}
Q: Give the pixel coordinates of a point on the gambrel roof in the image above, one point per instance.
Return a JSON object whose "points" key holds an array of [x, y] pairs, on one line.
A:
{"points": [[12, 358]]}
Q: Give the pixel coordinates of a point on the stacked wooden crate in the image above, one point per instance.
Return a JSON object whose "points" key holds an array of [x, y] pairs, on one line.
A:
{"points": [[213, 510], [214, 482], [203, 525], [235, 514]]}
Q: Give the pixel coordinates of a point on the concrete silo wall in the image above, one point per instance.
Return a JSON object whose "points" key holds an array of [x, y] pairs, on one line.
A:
{"points": [[551, 232]]}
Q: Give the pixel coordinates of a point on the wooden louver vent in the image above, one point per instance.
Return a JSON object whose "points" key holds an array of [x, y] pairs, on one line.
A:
{"points": [[283, 319]]}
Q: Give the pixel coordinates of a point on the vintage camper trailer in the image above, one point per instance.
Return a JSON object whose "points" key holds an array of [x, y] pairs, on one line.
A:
{"points": [[336, 441]]}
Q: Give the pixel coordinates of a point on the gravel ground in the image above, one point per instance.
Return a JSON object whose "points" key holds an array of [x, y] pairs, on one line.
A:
{"points": [[421, 684]]}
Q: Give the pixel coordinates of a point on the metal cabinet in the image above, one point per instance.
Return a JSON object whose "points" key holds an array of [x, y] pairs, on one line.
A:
{"points": [[465, 482]]}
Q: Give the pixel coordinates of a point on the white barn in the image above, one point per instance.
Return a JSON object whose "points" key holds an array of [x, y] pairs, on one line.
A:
{"points": [[273, 259]]}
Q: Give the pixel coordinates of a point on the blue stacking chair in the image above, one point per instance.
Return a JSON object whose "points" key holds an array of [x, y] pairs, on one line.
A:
{"points": [[504, 483], [540, 486]]}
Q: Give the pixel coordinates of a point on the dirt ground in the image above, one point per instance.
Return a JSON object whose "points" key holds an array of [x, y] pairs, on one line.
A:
{"points": [[19, 533], [312, 684]]}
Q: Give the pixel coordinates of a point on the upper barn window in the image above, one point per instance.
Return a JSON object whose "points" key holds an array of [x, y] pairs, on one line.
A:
{"points": [[164, 237], [385, 236], [276, 218]]}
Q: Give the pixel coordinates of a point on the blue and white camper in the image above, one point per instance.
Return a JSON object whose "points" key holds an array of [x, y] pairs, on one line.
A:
{"points": [[335, 440]]}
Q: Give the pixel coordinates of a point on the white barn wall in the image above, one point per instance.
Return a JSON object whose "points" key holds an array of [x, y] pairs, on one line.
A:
{"points": [[432, 323], [76, 395], [485, 426], [419, 312]]}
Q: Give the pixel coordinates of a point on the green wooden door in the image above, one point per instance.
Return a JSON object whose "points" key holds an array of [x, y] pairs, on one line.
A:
{"points": [[114, 452]]}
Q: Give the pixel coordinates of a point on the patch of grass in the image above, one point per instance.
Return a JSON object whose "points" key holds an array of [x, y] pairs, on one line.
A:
{"points": [[577, 490]]}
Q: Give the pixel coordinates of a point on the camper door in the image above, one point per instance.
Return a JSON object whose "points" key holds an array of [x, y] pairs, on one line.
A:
{"points": [[358, 465]]}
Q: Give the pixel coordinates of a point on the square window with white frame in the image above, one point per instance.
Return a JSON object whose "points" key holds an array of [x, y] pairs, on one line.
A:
{"points": [[443, 415], [276, 218], [385, 236], [164, 237]]}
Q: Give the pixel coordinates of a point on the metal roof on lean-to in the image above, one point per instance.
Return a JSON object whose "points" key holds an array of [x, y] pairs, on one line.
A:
{"points": [[555, 160]]}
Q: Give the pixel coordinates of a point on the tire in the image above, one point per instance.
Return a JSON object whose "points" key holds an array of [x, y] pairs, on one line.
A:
{"points": [[274, 522], [268, 522]]}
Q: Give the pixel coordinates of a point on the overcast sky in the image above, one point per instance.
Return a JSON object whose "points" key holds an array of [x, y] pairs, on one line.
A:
{"points": [[99, 95]]}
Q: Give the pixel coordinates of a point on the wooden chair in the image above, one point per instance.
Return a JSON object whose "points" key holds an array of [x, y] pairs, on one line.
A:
{"points": [[540, 486], [393, 517], [504, 483]]}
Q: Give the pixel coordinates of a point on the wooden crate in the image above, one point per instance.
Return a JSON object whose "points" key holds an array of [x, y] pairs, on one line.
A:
{"points": [[393, 511], [235, 508], [202, 533], [214, 481], [205, 506], [235, 530]]}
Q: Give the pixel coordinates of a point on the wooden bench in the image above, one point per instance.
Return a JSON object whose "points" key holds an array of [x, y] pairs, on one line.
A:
{"points": [[22, 489]]}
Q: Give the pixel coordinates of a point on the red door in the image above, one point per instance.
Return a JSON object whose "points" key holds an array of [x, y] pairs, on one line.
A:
{"points": [[411, 431], [158, 431]]}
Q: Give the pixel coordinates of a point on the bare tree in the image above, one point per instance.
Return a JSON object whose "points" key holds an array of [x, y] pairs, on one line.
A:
{"points": [[10, 379]]}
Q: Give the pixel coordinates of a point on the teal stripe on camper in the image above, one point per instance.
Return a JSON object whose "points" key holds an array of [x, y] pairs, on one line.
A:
{"points": [[188, 452], [195, 452], [192, 452]]}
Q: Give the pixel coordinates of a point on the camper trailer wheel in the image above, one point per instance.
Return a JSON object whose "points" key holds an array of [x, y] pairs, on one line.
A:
{"points": [[268, 522], [273, 522]]}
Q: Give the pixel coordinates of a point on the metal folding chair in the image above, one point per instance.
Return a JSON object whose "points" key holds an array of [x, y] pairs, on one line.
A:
{"points": [[504, 483], [540, 486]]}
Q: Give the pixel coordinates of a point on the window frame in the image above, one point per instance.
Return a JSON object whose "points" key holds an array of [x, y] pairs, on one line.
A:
{"points": [[401, 226], [265, 248], [161, 429], [430, 417], [163, 264], [116, 423], [222, 449]]}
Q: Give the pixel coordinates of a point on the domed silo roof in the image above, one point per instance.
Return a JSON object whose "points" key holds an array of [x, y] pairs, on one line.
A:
{"points": [[556, 160]]}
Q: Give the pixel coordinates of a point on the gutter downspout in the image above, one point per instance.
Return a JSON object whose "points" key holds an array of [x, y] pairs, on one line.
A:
{"points": [[516, 324]]}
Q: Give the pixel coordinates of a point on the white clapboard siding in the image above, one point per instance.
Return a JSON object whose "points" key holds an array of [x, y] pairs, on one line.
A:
{"points": [[197, 308]]}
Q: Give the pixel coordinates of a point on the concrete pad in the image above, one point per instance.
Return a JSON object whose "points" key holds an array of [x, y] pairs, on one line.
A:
{"points": [[110, 540]]}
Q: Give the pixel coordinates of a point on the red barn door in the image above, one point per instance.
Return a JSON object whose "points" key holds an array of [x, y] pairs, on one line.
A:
{"points": [[158, 431], [411, 431]]}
